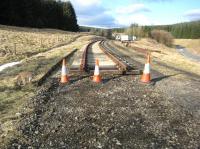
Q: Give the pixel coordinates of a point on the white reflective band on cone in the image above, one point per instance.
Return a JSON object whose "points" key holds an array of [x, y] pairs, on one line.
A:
{"points": [[64, 70], [147, 69], [96, 70]]}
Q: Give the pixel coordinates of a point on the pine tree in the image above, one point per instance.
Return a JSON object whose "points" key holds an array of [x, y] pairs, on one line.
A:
{"points": [[38, 13], [69, 16]]}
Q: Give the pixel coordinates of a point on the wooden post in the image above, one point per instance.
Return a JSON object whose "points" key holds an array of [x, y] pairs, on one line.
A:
{"points": [[15, 48]]}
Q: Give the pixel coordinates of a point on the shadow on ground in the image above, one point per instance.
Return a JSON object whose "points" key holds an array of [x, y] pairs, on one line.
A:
{"points": [[157, 79]]}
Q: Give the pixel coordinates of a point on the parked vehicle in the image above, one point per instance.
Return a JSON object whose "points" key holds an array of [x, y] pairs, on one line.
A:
{"points": [[118, 37], [125, 38]]}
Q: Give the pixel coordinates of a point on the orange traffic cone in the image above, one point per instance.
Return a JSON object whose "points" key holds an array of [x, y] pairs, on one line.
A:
{"points": [[146, 78], [64, 73], [96, 77]]}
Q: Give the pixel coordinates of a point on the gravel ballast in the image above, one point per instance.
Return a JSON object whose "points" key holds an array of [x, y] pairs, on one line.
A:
{"points": [[118, 113]]}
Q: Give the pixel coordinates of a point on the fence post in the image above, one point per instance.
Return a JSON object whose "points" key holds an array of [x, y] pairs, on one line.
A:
{"points": [[15, 48]]}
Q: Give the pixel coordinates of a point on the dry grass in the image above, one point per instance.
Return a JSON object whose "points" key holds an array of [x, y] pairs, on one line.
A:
{"points": [[168, 56], [192, 44], [28, 42], [12, 97]]}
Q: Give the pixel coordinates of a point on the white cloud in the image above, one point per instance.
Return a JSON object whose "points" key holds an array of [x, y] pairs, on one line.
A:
{"points": [[127, 15], [193, 14], [87, 6], [101, 20], [152, 1], [86, 3], [126, 20], [134, 8], [92, 13]]}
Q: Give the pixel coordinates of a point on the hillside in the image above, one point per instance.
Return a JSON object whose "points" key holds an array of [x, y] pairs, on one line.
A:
{"points": [[187, 30], [17, 43]]}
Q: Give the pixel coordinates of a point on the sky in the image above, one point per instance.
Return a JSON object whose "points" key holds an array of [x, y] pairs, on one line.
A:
{"points": [[121, 13]]}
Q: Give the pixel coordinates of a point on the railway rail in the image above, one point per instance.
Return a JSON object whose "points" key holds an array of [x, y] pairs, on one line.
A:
{"points": [[110, 62], [82, 62]]}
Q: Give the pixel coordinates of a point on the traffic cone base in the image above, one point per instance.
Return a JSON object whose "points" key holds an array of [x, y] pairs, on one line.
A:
{"points": [[96, 79], [64, 79], [146, 78]]}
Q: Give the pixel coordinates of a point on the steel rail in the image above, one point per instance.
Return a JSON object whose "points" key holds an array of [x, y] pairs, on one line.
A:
{"points": [[121, 65], [124, 64], [83, 66]]}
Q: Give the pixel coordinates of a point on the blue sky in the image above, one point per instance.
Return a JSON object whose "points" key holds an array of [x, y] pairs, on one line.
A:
{"points": [[118, 13]]}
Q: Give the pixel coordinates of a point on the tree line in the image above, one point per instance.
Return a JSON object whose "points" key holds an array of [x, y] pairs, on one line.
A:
{"points": [[97, 31], [39, 14], [189, 30]]}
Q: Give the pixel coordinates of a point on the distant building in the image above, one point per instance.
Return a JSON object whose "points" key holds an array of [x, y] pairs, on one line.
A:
{"points": [[124, 38]]}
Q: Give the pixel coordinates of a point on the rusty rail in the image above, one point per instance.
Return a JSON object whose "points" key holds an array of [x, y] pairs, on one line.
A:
{"points": [[54, 67], [121, 65], [83, 66]]}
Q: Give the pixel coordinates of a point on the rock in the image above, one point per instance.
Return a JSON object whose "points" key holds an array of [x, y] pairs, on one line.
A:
{"points": [[99, 145], [18, 114]]}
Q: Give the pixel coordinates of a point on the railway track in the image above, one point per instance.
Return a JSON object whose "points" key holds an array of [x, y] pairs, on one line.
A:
{"points": [[82, 62], [110, 62]]}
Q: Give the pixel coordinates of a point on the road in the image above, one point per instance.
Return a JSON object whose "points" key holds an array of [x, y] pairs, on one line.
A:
{"points": [[185, 52], [4, 66]]}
